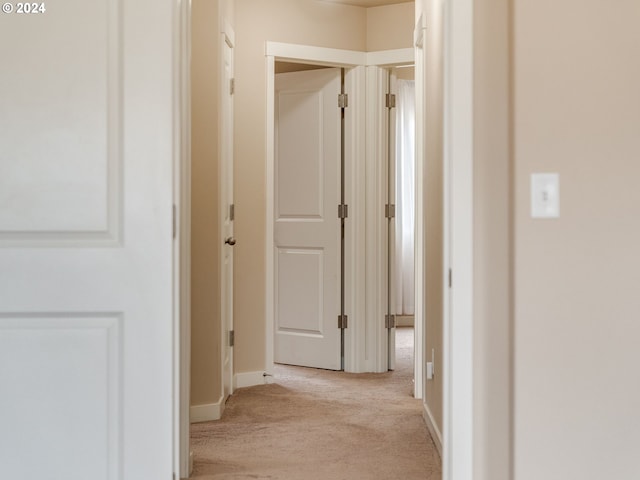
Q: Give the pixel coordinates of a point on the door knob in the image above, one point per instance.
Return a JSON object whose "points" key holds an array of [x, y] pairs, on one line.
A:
{"points": [[230, 241]]}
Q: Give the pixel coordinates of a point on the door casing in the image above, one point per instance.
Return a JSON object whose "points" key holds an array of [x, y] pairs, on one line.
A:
{"points": [[360, 355], [225, 189]]}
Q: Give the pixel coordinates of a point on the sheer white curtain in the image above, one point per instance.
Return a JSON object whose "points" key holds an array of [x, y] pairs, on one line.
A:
{"points": [[405, 168]]}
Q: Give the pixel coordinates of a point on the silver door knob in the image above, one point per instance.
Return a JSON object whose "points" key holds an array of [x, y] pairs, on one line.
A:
{"points": [[230, 241]]}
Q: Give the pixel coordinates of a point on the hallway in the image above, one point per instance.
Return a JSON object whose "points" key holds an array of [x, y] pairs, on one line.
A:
{"points": [[318, 424]]}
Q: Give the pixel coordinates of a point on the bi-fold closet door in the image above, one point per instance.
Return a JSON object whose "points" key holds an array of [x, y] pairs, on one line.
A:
{"points": [[381, 212], [310, 219]]}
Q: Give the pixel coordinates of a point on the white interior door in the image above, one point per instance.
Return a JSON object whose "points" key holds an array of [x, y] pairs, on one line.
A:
{"points": [[86, 328], [307, 229], [227, 214]]}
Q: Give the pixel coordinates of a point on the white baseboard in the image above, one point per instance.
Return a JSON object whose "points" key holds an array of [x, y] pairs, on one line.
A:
{"points": [[207, 412], [432, 427], [248, 379]]}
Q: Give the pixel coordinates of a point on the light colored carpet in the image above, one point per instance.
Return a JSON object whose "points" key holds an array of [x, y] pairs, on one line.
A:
{"points": [[316, 424]]}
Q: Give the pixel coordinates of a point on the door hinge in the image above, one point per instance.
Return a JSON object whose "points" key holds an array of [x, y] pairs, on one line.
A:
{"points": [[232, 338], [390, 210], [343, 100], [232, 86], [174, 221], [232, 212], [343, 321], [343, 211], [389, 321], [450, 278], [390, 100]]}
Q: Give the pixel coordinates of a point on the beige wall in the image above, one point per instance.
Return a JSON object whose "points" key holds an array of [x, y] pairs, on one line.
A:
{"points": [[577, 278], [405, 73], [205, 240], [556, 301], [433, 205], [205, 294], [390, 27], [492, 241]]}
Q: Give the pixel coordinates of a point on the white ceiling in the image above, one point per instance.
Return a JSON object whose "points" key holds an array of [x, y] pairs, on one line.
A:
{"points": [[369, 3]]}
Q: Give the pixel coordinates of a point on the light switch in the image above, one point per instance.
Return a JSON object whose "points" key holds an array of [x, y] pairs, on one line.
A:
{"points": [[545, 195]]}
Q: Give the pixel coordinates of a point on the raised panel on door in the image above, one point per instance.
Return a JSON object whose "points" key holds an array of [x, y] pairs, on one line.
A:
{"points": [[299, 290], [78, 158], [307, 229], [300, 159], [86, 194], [68, 403]]}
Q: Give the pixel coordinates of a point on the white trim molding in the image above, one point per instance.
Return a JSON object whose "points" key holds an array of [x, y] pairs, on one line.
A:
{"points": [[315, 55], [419, 239], [269, 214], [207, 412], [458, 319], [389, 58], [182, 243]]}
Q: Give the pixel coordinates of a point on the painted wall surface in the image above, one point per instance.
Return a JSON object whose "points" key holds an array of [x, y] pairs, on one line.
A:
{"points": [[433, 203], [257, 21], [492, 241], [205, 292], [390, 27], [577, 278], [205, 239]]}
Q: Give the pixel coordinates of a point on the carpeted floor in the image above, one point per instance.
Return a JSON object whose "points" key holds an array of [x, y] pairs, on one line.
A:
{"points": [[316, 424]]}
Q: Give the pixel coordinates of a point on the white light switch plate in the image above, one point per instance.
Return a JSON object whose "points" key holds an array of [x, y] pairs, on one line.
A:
{"points": [[545, 195]]}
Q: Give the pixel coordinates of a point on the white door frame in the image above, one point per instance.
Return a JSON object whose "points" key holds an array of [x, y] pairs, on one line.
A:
{"points": [[419, 239], [377, 229], [182, 243], [360, 355], [226, 39], [354, 168], [458, 404], [458, 241]]}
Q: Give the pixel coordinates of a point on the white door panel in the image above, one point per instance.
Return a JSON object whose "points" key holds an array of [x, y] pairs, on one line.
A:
{"points": [[86, 244], [307, 230]]}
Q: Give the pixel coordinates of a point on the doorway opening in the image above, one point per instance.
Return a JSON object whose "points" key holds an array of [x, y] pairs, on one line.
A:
{"points": [[403, 81]]}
